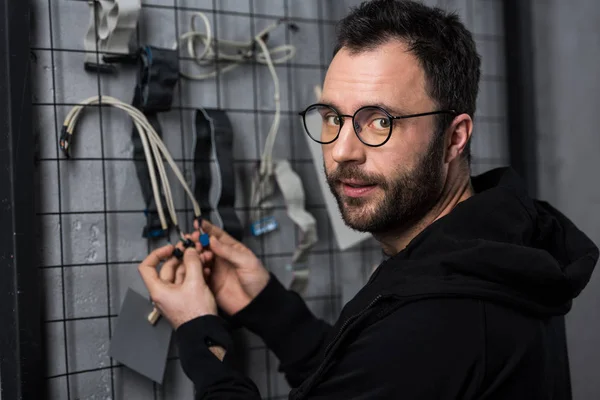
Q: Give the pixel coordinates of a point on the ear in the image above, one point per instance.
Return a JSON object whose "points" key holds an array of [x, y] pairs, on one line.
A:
{"points": [[458, 135]]}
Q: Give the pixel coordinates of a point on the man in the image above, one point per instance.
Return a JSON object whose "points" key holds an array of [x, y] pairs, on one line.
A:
{"points": [[470, 302]]}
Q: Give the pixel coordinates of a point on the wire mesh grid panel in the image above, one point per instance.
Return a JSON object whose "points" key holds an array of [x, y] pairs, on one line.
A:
{"points": [[90, 208]]}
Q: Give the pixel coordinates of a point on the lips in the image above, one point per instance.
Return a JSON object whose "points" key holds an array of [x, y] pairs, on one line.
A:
{"points": [[355, 183], [354, 188]]}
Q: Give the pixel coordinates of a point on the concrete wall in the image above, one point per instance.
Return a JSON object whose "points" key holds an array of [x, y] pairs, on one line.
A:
{"points": [[567, 55]]}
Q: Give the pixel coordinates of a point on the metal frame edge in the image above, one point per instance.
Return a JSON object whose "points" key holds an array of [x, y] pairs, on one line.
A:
{"points": [[21, 367], [520, 95]]}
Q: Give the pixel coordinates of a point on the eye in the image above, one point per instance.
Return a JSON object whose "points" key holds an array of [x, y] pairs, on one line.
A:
{"points": [[332, 119], [381, 123]]}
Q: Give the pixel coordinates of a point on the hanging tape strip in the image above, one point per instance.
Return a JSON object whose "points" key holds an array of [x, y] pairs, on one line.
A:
{"points": [[202, 148], [223, 147], [290, 185], [112, 24], [158, 73], [214, 127]]}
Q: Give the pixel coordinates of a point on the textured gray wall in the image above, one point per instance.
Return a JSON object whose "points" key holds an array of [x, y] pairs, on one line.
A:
{"points": [[567, 50], [89, 207]]}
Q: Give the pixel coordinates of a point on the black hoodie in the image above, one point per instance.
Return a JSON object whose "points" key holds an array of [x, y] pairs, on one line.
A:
{"points": [[472, 308]]}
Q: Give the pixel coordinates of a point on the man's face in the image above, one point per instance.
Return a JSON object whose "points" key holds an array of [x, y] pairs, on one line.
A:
{"points": [[382, 189]]}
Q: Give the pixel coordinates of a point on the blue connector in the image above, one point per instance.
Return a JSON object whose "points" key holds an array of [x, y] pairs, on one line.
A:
{"points": [[204, 240], [263, 226], [155, 233]]}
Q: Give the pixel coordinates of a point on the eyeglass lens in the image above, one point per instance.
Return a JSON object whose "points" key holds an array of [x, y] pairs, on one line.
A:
{"points": [[371, 124]]}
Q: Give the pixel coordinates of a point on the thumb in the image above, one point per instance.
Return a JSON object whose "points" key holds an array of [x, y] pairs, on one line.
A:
{"points": [[225, 251], [147, 268], [193, 266]]}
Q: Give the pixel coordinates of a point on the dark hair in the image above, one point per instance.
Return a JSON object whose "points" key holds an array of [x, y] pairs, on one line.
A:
{"points": [[442, 44]]}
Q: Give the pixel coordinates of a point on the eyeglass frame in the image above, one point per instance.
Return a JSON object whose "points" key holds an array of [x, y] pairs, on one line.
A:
{"points": [[383, 110]]}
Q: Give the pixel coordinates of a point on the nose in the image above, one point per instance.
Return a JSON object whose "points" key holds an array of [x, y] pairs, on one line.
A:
{"points": [[347, 147]]}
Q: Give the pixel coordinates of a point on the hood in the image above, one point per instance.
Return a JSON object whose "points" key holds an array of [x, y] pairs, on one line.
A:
{"points": [[499, 245]]}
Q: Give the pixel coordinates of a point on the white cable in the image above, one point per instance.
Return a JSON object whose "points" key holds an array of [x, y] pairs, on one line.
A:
{"points": [[154, 150], [267, 156], [164, 180], [264, 188], [149, 158], [235, 52]]}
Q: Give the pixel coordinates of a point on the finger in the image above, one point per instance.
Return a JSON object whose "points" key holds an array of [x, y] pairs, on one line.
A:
{"points": [[147, 268], [185, 241], [195, 236], [180, 275], [217, 232], [193, 266], [206, 273], [207, 257], [167, 271], [180, 246], [226, 251]]}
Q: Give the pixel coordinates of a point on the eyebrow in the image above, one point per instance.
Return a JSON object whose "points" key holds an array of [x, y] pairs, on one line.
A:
{"points": [[392, 110]]}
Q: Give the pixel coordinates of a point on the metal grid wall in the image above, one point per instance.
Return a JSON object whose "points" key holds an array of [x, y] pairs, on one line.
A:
{"points": [[90, 209]]}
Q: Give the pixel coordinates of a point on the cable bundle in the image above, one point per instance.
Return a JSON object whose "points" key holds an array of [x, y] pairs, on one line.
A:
{"points": [[154, 150], [234, 52]]}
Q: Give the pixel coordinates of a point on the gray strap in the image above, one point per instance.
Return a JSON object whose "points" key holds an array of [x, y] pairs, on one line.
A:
{"points": [[290, 185], [293, 192], [115, 21]]}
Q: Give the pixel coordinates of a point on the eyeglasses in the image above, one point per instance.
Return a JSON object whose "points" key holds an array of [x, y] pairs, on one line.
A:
{"points": [[372, 124]]}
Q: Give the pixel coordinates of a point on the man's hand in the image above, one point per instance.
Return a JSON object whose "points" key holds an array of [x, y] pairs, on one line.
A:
{"points": [[180, 293], [235, 275]]}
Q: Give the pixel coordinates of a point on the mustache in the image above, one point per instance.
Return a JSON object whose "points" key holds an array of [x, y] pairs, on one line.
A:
{"points": [[345, 172]]}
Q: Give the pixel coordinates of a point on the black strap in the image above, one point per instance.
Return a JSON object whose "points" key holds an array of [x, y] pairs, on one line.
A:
{"points": [[202, 160], [224, 150], [158, 74], [222, 140]]}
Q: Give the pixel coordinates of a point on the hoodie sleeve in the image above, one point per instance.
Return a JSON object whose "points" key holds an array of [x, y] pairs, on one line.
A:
{"points": [[212, 378], [281, 318]]}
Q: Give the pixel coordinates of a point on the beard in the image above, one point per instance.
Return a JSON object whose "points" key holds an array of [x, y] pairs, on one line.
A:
{"points": [[407, 195]]}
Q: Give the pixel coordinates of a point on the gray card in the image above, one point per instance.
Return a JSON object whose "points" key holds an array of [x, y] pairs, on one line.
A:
{"points": [[136, 343]]}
